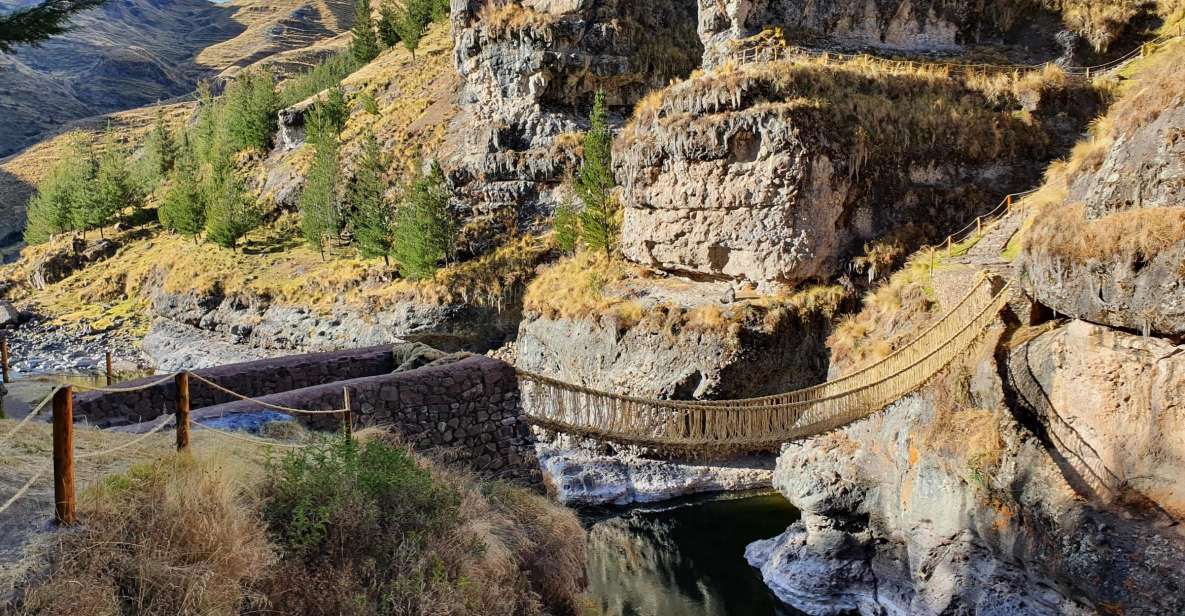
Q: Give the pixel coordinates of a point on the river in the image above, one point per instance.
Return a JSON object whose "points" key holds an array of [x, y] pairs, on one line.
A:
{"points": [[685, 558]]}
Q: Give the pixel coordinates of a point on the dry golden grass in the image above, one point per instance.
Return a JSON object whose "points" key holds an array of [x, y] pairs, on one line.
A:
{"points": [[892, 314], [185, 534], [1137, 235], [506, 18], [877, 111]]}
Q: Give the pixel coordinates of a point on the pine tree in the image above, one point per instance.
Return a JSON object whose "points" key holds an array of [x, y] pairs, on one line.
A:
{"points": [[372, 219], [388, 25], [232, 213], [63, 190], [424, 229], [113, 189], [411, 23], [319, 200], [248, 113], [184, 207], [594, 185], [35, 24], [365, 45], [90, 209], [160, 153], [567, 227]]}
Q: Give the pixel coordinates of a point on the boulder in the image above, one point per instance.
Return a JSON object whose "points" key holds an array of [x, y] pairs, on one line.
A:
{"points": [[9, 316]]}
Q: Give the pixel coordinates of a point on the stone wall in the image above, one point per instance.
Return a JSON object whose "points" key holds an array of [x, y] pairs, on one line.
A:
{"points": [[470, 409], [252, 378]]}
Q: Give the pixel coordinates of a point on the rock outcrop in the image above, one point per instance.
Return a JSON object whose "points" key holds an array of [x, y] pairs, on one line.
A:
{"points": [[935, 507], [580, 477], [778, 173], [531, 69], [1077, 266]]}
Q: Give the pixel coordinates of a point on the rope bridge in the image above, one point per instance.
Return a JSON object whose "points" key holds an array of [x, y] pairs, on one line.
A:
{"points": [[757, 424]]}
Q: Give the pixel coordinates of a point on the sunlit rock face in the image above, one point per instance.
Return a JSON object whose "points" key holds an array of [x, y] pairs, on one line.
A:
{"points": [[530, 71]]}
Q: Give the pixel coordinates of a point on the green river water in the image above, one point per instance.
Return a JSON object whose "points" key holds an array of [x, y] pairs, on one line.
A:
{"points": [[685, 559]]}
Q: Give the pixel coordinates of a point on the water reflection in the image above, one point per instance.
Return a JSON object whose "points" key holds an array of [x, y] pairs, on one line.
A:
{"points": [[685, 560]]}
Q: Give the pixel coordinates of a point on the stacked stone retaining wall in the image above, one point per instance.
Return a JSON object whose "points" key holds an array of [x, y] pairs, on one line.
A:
{"points": [[254, 378]]}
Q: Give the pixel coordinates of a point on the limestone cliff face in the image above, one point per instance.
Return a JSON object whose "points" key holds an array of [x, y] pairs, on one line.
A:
{"points": [[934, 507], [778, 173], [1142, 168], [900, 25], [530, 70]]}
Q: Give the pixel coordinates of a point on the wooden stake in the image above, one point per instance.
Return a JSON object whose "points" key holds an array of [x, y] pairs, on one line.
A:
{"points": [[1008, 204], [110, 371], [978, 225], [182, 414], [63, 456], [348, 419], [4, 358]]}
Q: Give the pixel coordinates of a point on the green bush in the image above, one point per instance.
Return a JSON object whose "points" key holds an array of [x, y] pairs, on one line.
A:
{"points": [[567, 227]]}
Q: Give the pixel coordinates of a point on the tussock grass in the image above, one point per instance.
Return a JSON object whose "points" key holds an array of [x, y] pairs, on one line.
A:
{"points": [[343, 527], [892, 314], [506, 18], [1137, 235], [877, 112]]}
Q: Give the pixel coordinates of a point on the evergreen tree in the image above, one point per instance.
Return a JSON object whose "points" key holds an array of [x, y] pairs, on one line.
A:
{"points": [[388, 25], [319, 199], [248, 113], [90, 210], [113, 189], [159, 155], [35, 24], [411, 23], [365, 45], [567, 227], [594, 185], [184, 207], [372, 219], [369, 104], [334, 110], [424, 229], [63, 191], [231, 214]]}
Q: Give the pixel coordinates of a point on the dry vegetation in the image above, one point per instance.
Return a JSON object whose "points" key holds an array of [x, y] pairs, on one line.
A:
{"points": [[876, 111], [1060, 227], [591, 285], [207, 534], [507, 18]]}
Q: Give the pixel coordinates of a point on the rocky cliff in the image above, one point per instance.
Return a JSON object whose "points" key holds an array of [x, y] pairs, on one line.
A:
{"points": [[942, 505], [1109, 245], [530, 69], [778, 173]]}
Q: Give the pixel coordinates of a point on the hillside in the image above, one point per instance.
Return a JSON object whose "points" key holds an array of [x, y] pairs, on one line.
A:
{"points": [[131, 53]]}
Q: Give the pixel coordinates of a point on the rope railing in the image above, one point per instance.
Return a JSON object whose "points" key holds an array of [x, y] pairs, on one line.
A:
{"points": [[770, 53], [766, 423]]}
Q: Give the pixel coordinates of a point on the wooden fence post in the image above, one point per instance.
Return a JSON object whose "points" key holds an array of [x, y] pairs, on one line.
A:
{"points": [[4, 357], [182, 413], [1008, 204], [63, 456], [348, 419], [978, 225], [110, 370], [932, 262]]}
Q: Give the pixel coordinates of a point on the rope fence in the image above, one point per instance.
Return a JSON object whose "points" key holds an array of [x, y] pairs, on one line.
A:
{"points": [[64, 456]]}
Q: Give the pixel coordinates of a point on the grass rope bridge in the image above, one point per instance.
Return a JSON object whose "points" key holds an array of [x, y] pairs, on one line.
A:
{"points": [[764, 423]]}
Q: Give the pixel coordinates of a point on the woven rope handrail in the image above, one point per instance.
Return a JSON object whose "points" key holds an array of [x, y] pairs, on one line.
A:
{"points": [[759, 423]]}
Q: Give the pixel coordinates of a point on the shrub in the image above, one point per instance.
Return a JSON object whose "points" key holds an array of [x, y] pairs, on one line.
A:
{"points": [[424, 229], [567, 227]]}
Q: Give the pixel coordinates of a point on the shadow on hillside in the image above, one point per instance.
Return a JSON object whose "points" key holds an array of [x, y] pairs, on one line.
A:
{"points": [[14, 193]]}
